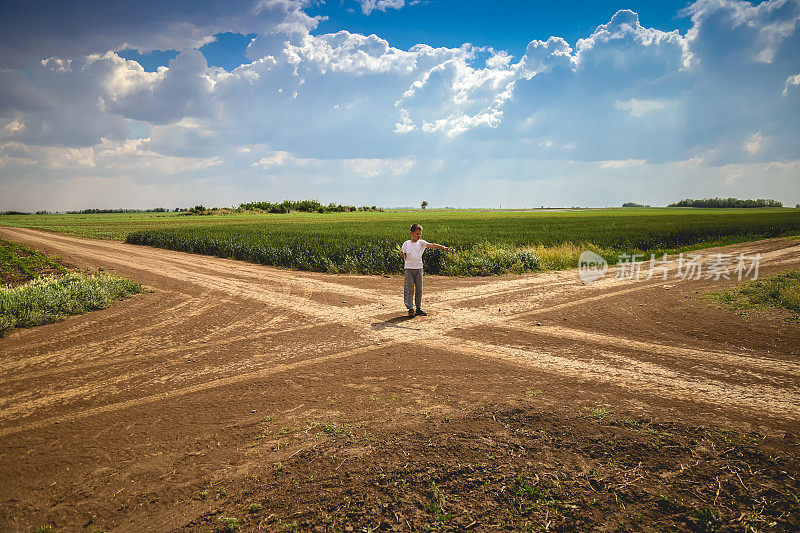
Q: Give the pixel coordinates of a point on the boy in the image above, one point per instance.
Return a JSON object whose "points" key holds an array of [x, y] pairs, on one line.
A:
{"points": [[412, 255]]}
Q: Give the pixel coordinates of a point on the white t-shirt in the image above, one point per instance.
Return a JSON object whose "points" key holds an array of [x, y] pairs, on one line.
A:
{"points": [[414, 251]]}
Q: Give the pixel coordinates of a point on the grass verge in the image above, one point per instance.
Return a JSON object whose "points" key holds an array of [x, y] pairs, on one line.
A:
{"points": [[19, 264], [50, 299], [781, 291]]}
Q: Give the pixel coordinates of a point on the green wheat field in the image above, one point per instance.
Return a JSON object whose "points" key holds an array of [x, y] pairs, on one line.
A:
{"points": [[484, 242]]}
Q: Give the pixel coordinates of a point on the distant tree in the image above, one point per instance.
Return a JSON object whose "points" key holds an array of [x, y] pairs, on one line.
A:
{"points": [[633, 204], [198, 210], [797, 206], [424, 204]]}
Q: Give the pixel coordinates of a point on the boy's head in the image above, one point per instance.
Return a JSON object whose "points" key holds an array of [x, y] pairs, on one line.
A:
{"points": [[416, 232]]}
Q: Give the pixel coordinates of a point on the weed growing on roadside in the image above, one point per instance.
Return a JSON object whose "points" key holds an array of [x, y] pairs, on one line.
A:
{"points": [[706, 520], [47, 300], [779, 291], [598, 413], [19, 264], [283, 431], [333, 430], [527, 496], [230, 524], [435, 505]]}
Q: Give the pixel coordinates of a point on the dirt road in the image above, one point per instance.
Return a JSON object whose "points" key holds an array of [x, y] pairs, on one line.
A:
{"points": [[126, 412]]}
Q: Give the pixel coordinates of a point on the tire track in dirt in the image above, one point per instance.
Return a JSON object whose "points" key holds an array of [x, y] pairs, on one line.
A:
{"points": [[221, 382], [545, 280], [741, 360], [160, 367], [112, 344], [779, 257], [645, 377], [96, 361]]}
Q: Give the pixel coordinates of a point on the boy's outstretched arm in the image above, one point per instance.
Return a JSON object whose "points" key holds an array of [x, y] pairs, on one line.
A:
{"points": [[437, 246]]}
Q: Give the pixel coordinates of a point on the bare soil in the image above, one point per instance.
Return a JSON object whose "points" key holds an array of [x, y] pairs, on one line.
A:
{"points": [[242, 396]]}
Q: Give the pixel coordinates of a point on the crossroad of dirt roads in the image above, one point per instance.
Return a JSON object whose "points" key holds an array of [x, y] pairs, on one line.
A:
{"points": [[126, 401]]}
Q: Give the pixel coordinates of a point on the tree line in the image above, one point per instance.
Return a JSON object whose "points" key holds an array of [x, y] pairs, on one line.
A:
{"points": [[305, 206], [726, 202]]}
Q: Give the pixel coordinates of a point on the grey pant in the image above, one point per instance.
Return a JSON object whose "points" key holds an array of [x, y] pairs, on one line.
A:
{"points": [[413, 284]]}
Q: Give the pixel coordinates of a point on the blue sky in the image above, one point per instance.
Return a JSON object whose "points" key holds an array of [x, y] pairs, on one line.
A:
{"points": [[389, 102], [507, 25]]}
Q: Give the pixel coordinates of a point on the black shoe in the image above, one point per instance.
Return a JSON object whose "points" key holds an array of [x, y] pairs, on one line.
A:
{"points": [[411, 312], [420, 312]]}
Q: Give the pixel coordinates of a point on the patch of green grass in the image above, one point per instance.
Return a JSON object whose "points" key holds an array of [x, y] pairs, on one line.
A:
{"points": [[598, 413], [283, 432], [705, 520], [19, 264], [334, 430], [667, 504], [435, 505], [47, 300], [230, 524], [527, 496], [780, 291]]}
